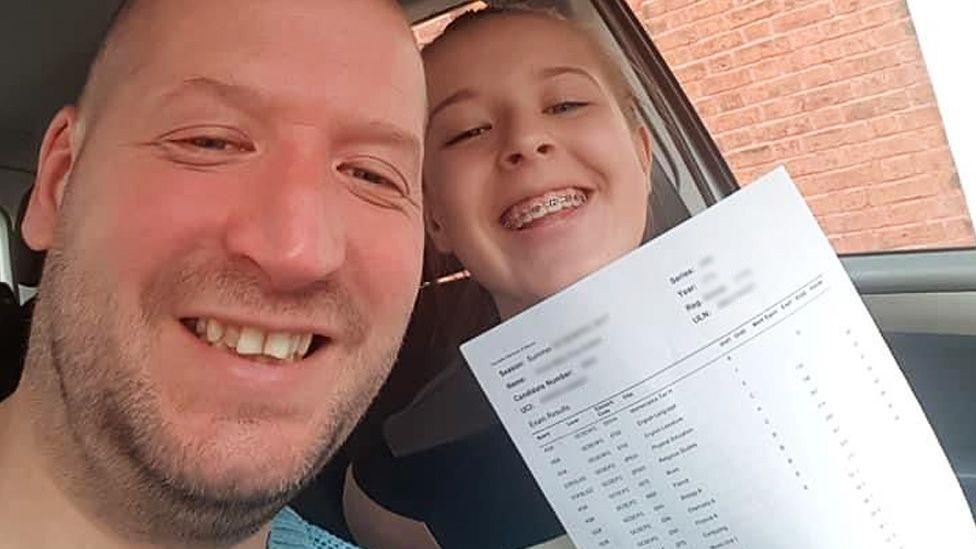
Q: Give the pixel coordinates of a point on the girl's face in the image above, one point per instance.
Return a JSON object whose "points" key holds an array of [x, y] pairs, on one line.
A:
{"points": [[533, 176]]}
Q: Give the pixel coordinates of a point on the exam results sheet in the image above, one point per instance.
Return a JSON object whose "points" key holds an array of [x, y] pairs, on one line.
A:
{"points": [[722, 386]]}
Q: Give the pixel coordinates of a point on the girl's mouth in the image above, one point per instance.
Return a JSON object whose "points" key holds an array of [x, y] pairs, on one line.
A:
{"points": [[528, 213]]}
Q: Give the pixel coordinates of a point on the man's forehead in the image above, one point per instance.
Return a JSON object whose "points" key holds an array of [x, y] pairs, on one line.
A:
{"points": [[305, 45], [361, 126]]}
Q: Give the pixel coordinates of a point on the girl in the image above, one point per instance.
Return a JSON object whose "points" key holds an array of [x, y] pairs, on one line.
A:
{"points": [[537, 173]]}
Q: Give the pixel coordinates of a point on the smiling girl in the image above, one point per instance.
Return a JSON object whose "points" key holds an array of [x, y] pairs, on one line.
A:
{"points": [[537, 173]]}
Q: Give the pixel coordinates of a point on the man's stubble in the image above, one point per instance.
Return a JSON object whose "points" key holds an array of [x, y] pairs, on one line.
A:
{"points": [[101, 423]]}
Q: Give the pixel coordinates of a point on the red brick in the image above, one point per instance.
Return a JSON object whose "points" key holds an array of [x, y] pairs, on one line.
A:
{"points": [[934, 160], [773, 68], [865, 64], [907, 51], [827, 118], [716, 44], [750, 157], [753, 12], [839, 180], [892, 34], [884, 126], [703, 10], [922, 94], [922, 117], [734, 120], [917, 211], [961, 229], [882, 14], [757, 30], [831, 95], [838, 137], [846, 6], [781, 87], [785, 150], [875, 83], [915, 187], [912, 236], [802, 38], [763, 50], [815, 77], [731, 141], [898, 167], [707, 30], [802, 17], [848, 222], [836, 202], [672, 39], [782, 107], [841, 26], [690, 73], [726, 81], [784, 128], [679, 56], [856, 242], [876, 106], [723, 63]]}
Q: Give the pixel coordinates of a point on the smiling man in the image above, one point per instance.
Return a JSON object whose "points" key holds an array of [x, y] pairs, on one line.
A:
{"points": [[233, 233]]}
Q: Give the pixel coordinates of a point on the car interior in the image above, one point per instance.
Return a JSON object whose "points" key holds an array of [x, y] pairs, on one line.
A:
{"points": [[923, 301]]}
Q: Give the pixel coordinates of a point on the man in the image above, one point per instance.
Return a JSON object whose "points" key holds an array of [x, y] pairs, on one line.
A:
{"points": [[232, 221]]}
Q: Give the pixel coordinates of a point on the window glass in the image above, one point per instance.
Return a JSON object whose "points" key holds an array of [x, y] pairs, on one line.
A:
{"points": [[835, 90]]}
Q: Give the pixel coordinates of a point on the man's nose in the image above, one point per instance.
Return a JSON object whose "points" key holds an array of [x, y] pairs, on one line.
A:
{"points": [[294, 226], [526, 140]]}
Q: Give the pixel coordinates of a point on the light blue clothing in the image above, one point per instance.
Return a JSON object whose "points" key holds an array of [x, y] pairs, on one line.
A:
{"points": [[290, 531]]}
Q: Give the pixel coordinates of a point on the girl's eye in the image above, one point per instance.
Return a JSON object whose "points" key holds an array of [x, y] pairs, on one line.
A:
{"points": [[468, 134], [565, 106]]}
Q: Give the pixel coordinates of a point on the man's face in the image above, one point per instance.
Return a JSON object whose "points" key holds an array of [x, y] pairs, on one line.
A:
{"points": [[254, 176]]}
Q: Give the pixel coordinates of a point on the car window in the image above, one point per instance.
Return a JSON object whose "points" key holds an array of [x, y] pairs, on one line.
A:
{"points": [[837, 91]]}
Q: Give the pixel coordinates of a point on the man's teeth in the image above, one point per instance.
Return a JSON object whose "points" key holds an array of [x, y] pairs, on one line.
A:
{"points": [[527, 211], [250, 341]]}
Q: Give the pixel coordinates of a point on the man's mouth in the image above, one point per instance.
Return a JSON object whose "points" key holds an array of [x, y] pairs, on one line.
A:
{"points": [[528, 213], [253, 342]]}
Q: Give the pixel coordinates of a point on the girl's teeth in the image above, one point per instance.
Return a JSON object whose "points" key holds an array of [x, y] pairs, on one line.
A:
{"points": [[520, 216]]}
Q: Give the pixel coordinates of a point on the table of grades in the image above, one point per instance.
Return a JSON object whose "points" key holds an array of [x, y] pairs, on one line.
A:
{"points": [[722, 388]]}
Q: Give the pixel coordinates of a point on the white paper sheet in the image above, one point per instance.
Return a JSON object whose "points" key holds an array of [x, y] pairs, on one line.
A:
{"points": [[722, 386]]}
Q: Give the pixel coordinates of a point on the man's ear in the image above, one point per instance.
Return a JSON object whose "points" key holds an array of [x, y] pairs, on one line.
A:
{"points": [[54, 165], [436, 231]]}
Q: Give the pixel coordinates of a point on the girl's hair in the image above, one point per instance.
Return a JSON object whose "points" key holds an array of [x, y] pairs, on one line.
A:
{"points": [[460, 310], [622, 92]]}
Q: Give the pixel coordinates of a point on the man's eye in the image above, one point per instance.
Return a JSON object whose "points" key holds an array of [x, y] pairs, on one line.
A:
{"points": [[366, 175], [376, 173], [565, 106], [214, 144], [467, 134], [205, 146]]}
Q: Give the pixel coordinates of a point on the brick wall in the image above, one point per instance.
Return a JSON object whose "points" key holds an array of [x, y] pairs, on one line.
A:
{"points": [[834, 89]]}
